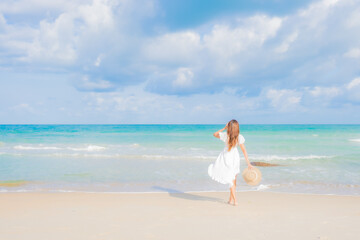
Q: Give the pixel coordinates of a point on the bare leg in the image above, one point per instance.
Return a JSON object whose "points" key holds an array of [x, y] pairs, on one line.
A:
{"points": [[232, 193], [231, 198], [235, 202]]}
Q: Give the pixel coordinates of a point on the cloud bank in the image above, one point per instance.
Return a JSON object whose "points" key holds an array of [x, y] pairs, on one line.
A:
{"points": [[119, 61]]}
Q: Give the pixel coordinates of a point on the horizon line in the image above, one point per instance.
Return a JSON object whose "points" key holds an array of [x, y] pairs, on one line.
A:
{"points": [[2, 124]]}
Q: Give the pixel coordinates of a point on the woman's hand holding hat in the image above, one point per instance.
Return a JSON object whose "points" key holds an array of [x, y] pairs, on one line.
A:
{"points": [[252, 176]]}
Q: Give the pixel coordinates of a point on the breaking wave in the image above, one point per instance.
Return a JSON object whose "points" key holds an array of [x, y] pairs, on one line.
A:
{"points": [[89, 148], [20, 147]]}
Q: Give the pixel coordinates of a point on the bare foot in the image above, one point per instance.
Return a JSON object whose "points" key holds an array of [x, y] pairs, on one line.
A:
{"points": [[235, 203], [229, 202]]}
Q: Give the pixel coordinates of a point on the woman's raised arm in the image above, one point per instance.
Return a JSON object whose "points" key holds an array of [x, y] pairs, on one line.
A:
{"points": [[216, 134], [243, 149]]}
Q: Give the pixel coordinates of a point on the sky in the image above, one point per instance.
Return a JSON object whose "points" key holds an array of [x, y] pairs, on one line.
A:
{"points": [[179, 61]]}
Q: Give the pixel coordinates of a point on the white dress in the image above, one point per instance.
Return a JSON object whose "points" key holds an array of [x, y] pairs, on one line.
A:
{"points": [[227, 164]]}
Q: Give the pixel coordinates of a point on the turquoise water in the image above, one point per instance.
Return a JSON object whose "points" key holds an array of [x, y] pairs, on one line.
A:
{"points": [[321, 159]]}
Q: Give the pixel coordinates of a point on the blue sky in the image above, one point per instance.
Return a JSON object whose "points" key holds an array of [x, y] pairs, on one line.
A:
{"points": [[138, 61]]}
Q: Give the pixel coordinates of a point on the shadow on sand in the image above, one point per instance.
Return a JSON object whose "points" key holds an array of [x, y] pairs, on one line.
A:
{"points": [[188, 196]]}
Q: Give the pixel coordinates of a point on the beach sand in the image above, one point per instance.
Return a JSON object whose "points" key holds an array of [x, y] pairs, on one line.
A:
{"points": [[202, 215]]}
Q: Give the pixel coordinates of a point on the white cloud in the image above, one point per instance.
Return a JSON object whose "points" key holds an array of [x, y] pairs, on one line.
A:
{"points": [[98, 61], [173, 47], [226, 41], [241, 50], [71, 32], [59, 40], [219, 52], [353, 53], [184, 78], [133, 104], [38, 6], [325, 91], [317, 12], [284, 46], [54, 41], [354, 83], [353, 90], [97, 15], [213, 52], [293, 61], [128, 103], [221, 41], [85, 84], [283, 99], [15, 40], [133, 101]]}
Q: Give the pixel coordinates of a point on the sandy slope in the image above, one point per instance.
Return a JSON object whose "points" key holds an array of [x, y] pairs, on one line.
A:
{"points": [[260, 215]]}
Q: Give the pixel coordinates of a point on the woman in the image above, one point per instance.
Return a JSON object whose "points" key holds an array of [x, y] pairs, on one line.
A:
{"points": [[227, 165]]}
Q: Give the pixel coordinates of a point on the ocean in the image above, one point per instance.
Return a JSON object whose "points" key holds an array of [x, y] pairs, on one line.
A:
{"points": [[320, 159]]}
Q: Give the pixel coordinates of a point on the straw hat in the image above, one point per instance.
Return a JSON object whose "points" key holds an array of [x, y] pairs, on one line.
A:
{"points": [[252, 177]]}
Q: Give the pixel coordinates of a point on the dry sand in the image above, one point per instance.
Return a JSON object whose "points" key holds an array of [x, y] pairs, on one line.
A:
{"points": [[259, 215]]}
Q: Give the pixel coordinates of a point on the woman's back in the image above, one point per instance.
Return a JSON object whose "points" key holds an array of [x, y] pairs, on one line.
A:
{"points": [[224, 138]]}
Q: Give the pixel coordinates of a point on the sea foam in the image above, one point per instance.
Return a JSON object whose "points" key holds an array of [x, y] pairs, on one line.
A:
{"points": [[21, 147], [90, 148]]}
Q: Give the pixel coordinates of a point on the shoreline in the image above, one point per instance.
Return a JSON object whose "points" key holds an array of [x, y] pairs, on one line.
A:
{"points": [[179, 216], [179, 192]]}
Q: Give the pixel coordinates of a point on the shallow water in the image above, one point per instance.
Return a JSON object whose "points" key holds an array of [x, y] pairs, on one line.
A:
{"points": [[321, 159]]}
